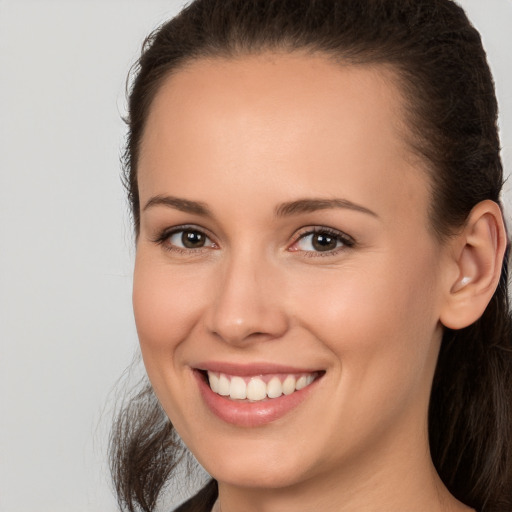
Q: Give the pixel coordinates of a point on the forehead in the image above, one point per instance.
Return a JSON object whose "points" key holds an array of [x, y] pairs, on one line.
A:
{"points": [[270, 90], [299, 122]]}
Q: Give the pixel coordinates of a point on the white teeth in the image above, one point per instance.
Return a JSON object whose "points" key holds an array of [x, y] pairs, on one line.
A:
{"points": [[255, 388], [223, 385], [214, 381], [238, 388], [289, 385], [301, 382], [274, 388]]}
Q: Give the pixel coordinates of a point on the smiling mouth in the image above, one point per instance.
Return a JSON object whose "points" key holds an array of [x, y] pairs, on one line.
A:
{"points": [[260, 387]]}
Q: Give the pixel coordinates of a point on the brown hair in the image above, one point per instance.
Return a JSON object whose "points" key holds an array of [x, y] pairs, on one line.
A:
{"points": [[452, 113]]}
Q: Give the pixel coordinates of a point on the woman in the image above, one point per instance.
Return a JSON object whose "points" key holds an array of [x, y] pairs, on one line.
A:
{"points": [[320, 281]]}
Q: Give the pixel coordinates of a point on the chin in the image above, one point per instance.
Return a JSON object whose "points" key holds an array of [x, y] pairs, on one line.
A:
{"points": [[257, 475], [256, 463]]}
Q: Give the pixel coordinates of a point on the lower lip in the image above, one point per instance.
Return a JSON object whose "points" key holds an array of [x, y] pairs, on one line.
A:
{"points": [[251, 414]]}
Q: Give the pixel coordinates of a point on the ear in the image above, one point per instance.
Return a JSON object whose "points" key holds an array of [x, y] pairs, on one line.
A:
{"points": [[478, 252]]}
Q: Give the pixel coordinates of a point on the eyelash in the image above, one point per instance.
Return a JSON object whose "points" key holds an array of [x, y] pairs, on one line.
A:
{"points": [[163, 240], [341, 238], [345, 241]]}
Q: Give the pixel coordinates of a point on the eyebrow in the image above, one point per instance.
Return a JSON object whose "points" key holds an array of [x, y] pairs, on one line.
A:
{"points": [[313, 205], [184, 205], [283, 210]]}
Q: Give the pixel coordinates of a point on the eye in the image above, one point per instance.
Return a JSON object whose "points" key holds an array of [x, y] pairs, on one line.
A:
{"points": [[189, 239], [322, 240], [184, 239]]}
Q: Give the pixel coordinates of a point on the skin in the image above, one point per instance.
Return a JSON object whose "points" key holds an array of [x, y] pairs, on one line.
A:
{"points": [[244, 136]]}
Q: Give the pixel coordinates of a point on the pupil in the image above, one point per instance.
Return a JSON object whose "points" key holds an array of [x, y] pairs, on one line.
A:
{"points": [[323, 242], [192, 239]]}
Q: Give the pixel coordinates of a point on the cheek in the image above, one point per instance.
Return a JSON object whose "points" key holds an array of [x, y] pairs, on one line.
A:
{"points": [[381, 332], [167, 304], [378, 319]]}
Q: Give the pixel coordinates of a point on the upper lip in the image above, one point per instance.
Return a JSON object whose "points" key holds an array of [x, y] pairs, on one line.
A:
{"points": [[260, 368]]}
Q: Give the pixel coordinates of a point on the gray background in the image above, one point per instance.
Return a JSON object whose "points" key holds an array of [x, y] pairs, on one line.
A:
{"points": [[66, 251]]}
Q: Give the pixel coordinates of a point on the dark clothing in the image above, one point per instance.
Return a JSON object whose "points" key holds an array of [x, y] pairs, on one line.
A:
{"points": [[203, 501]]}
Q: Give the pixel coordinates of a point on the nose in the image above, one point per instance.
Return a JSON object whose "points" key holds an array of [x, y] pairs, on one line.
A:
{"points": [[249, 302]]}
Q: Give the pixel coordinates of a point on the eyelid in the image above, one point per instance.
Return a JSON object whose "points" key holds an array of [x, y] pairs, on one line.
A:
{"points": [[163, 236], [346, 240]]}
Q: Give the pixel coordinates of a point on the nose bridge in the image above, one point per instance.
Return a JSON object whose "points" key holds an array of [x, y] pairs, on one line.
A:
{"points": [[248, 302]]}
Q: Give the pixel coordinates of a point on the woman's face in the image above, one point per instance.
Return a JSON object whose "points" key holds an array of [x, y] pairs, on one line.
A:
{"points": [[285, 249]]}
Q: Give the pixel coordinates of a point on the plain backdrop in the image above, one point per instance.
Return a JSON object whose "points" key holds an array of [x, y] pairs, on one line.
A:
{"points": [[66, 250]]}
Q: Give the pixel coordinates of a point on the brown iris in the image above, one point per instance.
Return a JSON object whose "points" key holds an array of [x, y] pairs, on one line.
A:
{"points": [[193, 239], [324, 242]]}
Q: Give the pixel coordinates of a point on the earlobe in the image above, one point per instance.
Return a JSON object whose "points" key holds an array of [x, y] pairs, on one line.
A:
{"points": [[478, 254]]}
